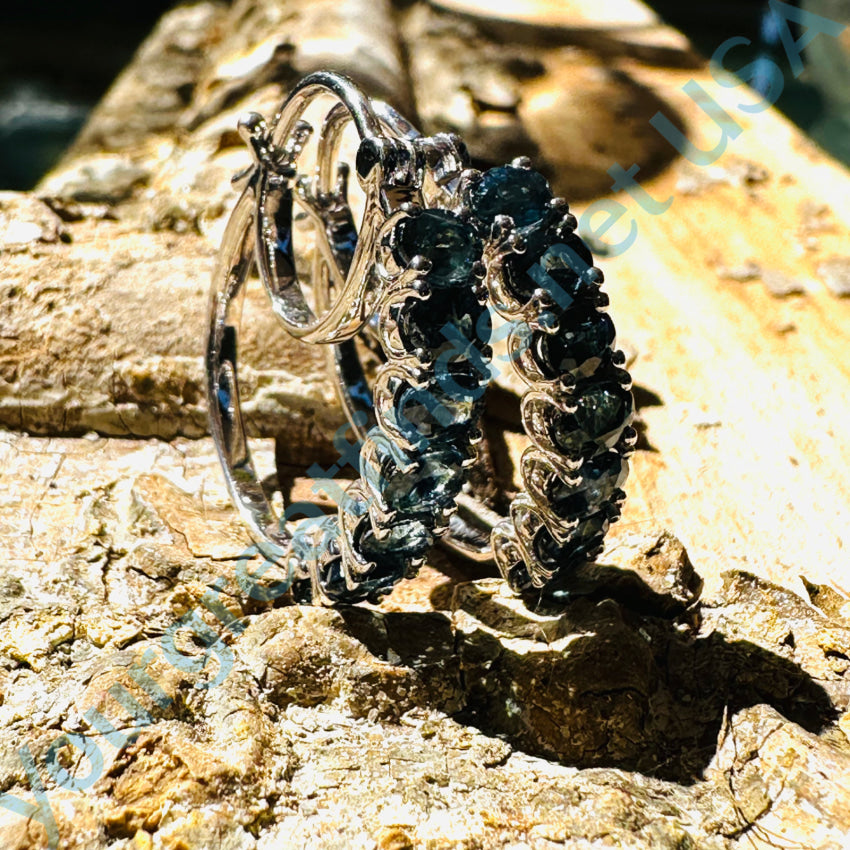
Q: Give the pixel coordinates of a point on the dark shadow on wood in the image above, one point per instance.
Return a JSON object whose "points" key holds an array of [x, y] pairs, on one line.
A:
{"points": [[610, 685]]}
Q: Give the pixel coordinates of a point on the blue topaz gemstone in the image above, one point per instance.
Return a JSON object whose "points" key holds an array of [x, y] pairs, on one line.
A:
{"points": [[446, 319], [586, 537], [604, 409], [392, 555], [430, 488], [432, 412], [334, 586], [453, 326], [578, 347], [439, 235], [332, 580], [521, 193], [601, 476], [560, 264], [464, 380]]}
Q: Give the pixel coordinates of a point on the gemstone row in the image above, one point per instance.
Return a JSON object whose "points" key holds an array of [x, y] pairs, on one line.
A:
{"points": [[578, 408], [418, 479]]}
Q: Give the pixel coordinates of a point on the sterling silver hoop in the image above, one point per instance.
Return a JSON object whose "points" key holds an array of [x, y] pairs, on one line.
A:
{"points": [[578, 406], [415, 456], [437, 240]]}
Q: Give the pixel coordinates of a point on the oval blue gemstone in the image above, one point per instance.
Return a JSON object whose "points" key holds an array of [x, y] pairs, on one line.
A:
{"points": [[559, 264], [446, 323], [604, 409], [392, 555], [521, 193], [439, 235], [423, 415], [332, 581], [578, 347], [428, 489], [586, 537], [600, 477]]}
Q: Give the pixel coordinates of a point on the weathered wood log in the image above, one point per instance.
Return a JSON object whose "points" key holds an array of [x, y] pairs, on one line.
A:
{"points": [[696, 695]]}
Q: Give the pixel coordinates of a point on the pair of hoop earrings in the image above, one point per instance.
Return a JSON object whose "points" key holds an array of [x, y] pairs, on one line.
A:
{"points": [[440, 251]]}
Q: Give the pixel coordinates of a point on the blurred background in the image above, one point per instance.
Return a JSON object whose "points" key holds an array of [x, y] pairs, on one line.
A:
{"points": [[57, 59]]}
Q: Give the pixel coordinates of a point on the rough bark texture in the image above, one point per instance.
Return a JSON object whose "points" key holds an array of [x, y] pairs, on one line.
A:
{"points": [[691, 699]]}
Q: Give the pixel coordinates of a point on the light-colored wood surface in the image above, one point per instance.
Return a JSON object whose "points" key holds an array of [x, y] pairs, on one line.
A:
{"points": [[557, 13], [750, 460]]}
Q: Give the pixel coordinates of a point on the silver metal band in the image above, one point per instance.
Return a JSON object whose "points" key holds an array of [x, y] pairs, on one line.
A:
{"points": [[537, 546], [578, 405], [415, 259], [412, 464]]}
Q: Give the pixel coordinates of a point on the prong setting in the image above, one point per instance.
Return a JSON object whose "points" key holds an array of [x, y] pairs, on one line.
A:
{"points": [[423, 255]]}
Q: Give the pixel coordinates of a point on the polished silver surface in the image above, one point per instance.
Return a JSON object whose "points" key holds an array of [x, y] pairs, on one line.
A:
{"points": [[356, 280], [476, 531], [381, 169], [236, 257], [358, 285]]}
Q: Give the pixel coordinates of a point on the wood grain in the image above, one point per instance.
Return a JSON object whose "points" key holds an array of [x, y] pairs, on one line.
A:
{"points": [[749, 461]]}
